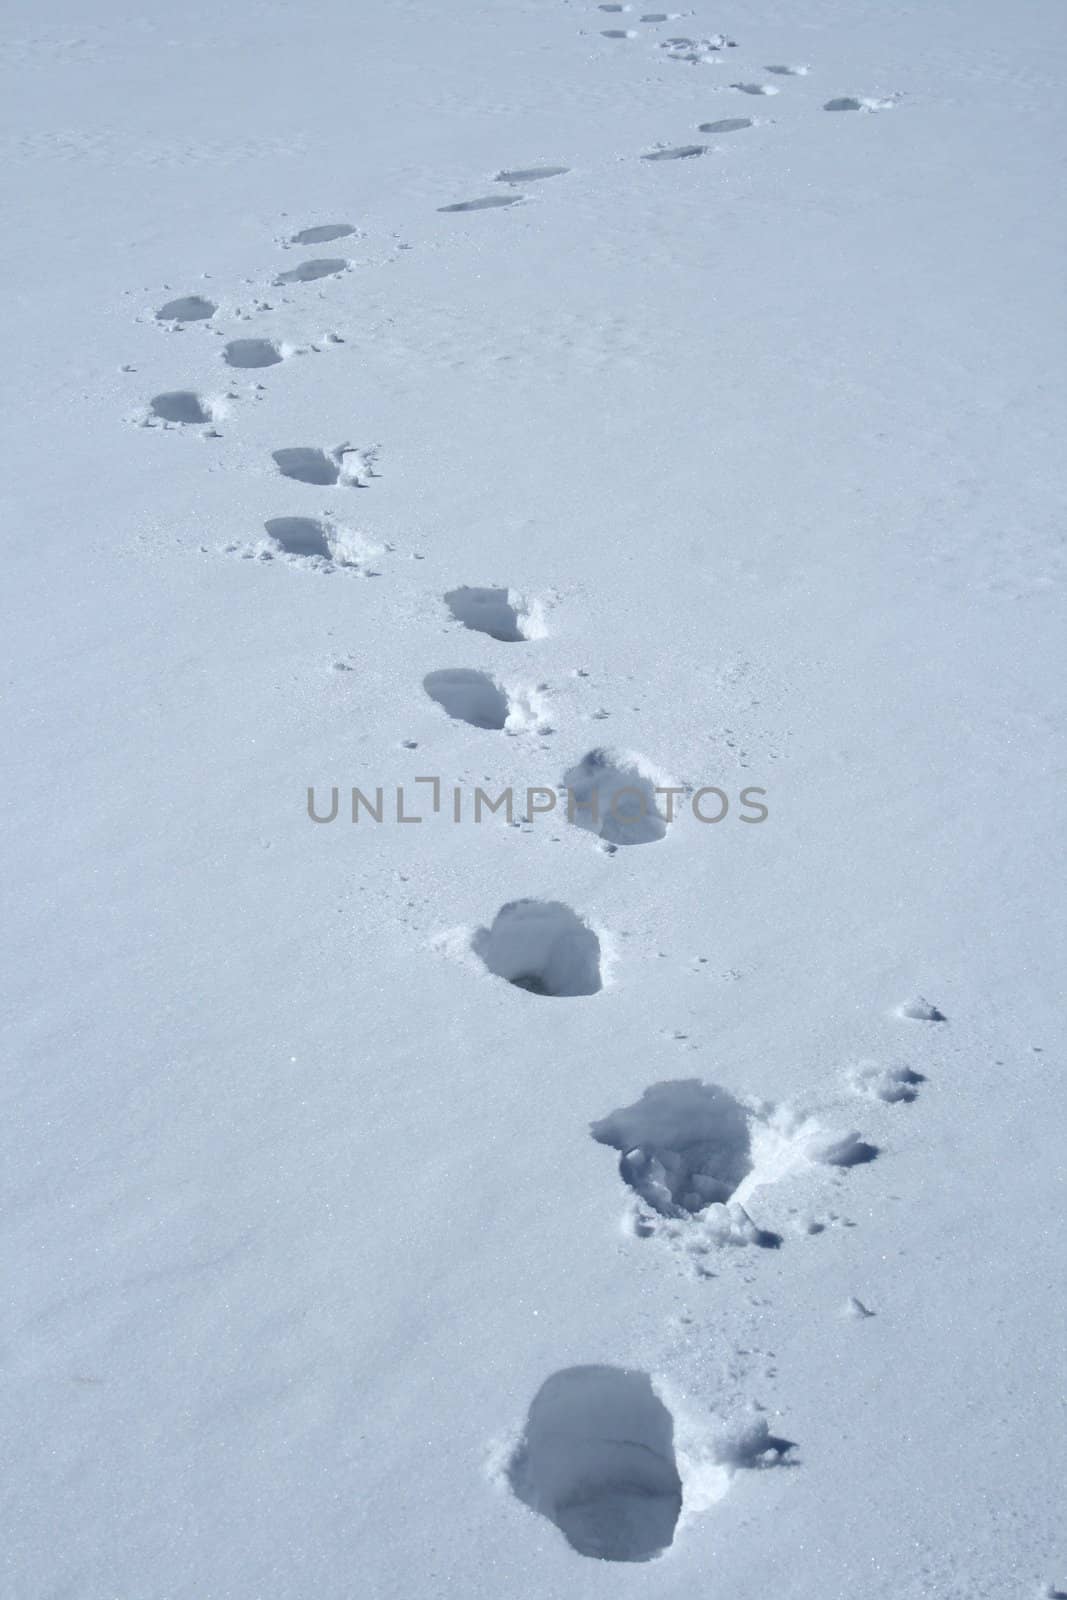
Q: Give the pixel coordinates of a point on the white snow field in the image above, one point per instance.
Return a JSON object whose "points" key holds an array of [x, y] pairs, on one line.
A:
{"points": [[555, 1207]]}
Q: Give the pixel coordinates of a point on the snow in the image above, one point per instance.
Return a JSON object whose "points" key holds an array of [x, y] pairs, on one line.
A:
{"points": [[736, 461]]}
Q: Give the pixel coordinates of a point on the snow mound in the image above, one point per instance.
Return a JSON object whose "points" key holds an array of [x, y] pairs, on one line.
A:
{"points": [[893, 1085]]}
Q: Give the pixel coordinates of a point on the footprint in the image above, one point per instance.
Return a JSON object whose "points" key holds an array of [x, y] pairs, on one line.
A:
{"points": [[684, 1146], [755, 88], [597, 1459], [501, 613], [252, 353], [678, 153], [307, 465], [475, 697], [344, 465], [541, 946], [693, 1155], [488, 203], [894, 1085], [324, 233], [695, 51], [191, 308], [308, 271], [727, 125], [849, 103], [789, 72], [322, 545], [530, 174], [180, 405], [613, 795], [613, 8], [619, 33], [300, 536], [468, 696]]}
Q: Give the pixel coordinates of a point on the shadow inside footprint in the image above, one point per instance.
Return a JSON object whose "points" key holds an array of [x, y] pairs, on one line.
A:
{"points": [[191, 308], [541, 946], [488, 202], [597, 1459], [306, 465], [684, 1145], [251, 353], [180, 405], [308, 271], [299, 536], [530, 174], [323, 234], [727, 125], [496, 612], [847, 1151], [468, 696], [681, 152]]}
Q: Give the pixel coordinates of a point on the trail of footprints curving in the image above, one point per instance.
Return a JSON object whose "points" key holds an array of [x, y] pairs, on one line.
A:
{"points": [[596, 1455], [184, 408]]}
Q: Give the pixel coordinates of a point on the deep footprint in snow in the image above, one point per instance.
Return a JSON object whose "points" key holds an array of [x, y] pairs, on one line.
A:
{"points": [[679, 152], [755, 88], [851, 103], [307, 464], [180, 405], [619, 33], [309, 271], [501, 613], [468, 696], [613, 794], [684, 1146], [190, 308], [488, 202], [692, 1155], [324, 233], [597, 1459], [789, 72], [252, 353], [319, 544], [726, 125], [300, 536], [530, 174], [541, 946]]}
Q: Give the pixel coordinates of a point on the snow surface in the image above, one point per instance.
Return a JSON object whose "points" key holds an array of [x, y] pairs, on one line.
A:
{"points": [[733, 451]]}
